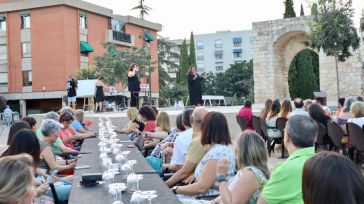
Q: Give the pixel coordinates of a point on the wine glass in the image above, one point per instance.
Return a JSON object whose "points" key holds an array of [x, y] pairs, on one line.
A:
{"points": [[149, 195], [108, 178], [119, 188], [125, 170]]}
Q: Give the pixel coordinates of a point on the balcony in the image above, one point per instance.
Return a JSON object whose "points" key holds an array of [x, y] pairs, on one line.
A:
{"points": [[119, 38]]}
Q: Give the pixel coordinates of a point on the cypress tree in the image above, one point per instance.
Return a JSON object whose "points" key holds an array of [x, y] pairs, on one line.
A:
{"points": [[301, 77], [314, 9], [192, 57], [183, 67], [302, 12], [289, 10]]}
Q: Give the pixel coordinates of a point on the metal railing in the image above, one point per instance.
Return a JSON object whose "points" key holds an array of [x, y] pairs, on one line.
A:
{"points": [[119, 36]]}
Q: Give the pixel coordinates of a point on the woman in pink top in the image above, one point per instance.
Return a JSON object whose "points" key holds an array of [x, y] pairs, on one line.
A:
{"points": [[246, 112], [67, 134]]}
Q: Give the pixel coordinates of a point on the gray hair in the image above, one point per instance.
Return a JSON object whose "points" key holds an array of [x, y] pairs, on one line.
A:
{"points": [[67, 109], [348, 102], [198, 114], [52, 115], [302, 130], [79, 112], [50, 126]]}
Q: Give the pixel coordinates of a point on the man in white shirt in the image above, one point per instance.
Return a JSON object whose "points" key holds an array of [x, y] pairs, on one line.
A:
{"points": [[299, 110], [181, 144]]}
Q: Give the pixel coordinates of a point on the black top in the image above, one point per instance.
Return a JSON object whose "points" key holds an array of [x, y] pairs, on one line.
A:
{"points": [[71, 88], [141, 125], [133, 83], [194, 89]]}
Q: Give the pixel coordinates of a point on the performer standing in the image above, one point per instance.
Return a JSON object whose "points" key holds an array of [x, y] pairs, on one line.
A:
{"points": [[99, 94], [194, 86], [133, 85], [71, 91]]}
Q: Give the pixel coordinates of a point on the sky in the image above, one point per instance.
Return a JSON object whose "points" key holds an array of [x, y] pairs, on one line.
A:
{"points": [[180, 17]]}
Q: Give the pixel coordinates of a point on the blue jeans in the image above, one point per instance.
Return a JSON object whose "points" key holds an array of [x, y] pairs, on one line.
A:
{"points": [[63, 190]]}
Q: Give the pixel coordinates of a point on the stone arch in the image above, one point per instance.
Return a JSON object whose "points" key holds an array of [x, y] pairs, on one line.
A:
{"points": [[286, 47], [275, 45]]}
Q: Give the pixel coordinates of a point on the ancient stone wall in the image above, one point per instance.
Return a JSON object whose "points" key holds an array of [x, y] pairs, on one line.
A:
{"points": [[277, 42]]}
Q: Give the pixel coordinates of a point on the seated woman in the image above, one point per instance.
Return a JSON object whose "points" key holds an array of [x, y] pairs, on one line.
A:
{"points": [[345, 113], [15, 127], [26, 141], [148, 117], [357, 109], [286, 109], [67, 134], [31, 121], [50, 130], [16, 179], [133, 123], [264, 112], [318, 114], [161, 131], [251, 157], [157, 157], [272, 119], [321, 184], [214, 133]]}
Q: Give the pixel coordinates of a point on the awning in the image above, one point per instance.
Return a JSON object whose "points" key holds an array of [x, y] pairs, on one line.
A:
{"points": [[24, 14], [236, 40], [121, 26], [237, 50], [85, 47], [148, 36], [218, 52]]}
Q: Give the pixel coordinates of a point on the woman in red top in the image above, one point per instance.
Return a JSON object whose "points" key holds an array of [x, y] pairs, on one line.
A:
{"points": [[247, 113]]}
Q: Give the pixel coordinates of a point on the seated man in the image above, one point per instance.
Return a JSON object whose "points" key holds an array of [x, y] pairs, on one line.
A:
{"points": [[181, 144], [285, 183], [77, 124], [57, 147], [195, 150]]}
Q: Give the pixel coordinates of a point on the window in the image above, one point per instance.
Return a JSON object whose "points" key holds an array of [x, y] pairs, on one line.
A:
{"points": [[200, 57], [2, 23], [200, 67], [84, 54], [199, 45], [25, 20], [3, 55], [26, 50], [218, 54], [237, 53], [218, 43], [238, 61], [219, 66], [83, 21], [237, 41], [27, 78], [3, 79]]}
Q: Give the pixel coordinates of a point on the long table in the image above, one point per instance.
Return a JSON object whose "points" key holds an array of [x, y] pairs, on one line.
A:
{"points": [[97, 194]]}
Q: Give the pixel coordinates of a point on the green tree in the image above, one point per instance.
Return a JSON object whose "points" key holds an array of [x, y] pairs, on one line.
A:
{"points": [[192, 57], [89, 73], [334, 32], [113, 65], [168, 95], [183, 66], [302, 79], [314, 9], [164, 56], [289, 9], [143, 9], [362, 21], [302, 12]]}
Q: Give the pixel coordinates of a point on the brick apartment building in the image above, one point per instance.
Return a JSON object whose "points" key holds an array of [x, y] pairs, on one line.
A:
{"points": [[42, 42]]}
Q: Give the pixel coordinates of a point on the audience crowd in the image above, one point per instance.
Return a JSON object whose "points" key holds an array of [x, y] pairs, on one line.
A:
{"points": [[199, 160]]}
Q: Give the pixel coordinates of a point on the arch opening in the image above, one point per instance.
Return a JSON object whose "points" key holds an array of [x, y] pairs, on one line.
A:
{"points": [[303, 74]]}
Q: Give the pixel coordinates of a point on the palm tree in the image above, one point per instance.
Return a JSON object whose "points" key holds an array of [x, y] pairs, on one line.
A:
{"points": [[143, 9]]}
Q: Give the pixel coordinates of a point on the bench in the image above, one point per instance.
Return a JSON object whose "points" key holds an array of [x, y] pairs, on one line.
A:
{"points": [[210, 98]]}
